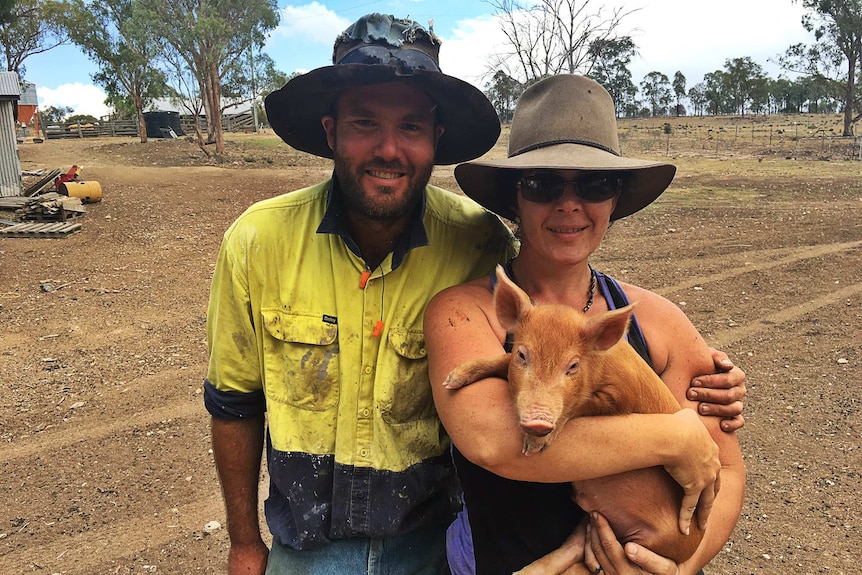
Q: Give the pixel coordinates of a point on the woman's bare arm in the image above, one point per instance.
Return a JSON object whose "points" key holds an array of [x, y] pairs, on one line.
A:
{"points": [[480, 418]]}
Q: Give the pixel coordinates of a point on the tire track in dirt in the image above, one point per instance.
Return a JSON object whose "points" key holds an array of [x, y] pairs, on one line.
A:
{"points": [[724, 338], [84, 552], [51, 441], [792, 256]]}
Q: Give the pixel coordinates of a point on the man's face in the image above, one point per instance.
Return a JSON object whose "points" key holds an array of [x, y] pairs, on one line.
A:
{"points": [[383, 139]]}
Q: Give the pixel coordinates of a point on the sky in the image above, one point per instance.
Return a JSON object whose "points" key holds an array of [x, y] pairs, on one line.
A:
{"points": [[694, 38]]}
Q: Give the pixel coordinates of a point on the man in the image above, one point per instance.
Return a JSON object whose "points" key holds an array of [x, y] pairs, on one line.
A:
{"points": [[315, 315]]}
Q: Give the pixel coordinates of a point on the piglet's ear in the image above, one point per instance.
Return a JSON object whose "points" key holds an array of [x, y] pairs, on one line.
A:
{"points": [[510, 301], [605, 330]]}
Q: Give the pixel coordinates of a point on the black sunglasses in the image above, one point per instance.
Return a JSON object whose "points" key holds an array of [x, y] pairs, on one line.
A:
{"points": [[590, 186], [406, 60]]}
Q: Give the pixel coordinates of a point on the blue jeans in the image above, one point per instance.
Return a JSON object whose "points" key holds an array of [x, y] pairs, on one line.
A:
{"points": [[420, 552]]}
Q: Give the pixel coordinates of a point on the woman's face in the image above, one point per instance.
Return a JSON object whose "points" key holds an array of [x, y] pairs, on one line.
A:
{"points": [[565, 213]]}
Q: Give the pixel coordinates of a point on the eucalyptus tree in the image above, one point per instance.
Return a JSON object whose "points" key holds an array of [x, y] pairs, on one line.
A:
{"points": [[28, 27], [503, 91], [744, 84], [836, 56], [611, 58], [656, 91], [697, 96], [548, 37], [715, 93], [118, 38], [678, 85], [208, 38]]}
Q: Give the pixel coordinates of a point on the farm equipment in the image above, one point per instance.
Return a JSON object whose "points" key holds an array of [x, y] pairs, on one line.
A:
{"points": [[70, 184]]}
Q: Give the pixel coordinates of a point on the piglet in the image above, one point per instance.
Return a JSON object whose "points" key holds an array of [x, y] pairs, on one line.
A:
{"points": [[565, 364]]}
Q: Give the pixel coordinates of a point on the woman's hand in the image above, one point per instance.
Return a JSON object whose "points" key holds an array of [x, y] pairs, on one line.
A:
{"points": [[696, 469], [604, 555], [721, 394]]}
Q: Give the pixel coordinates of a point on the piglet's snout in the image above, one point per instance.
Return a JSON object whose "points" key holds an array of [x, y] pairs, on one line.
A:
{"points": [[537, 427]]}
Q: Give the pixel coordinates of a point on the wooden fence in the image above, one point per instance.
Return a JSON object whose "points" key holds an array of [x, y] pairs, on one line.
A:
{"points": [[230, 123]]}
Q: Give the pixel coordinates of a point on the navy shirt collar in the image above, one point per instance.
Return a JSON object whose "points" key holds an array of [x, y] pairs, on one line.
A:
{"points": [[335, 222]]}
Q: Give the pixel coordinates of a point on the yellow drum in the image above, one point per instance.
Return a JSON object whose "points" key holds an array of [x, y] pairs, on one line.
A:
{"points": [[89, 192]]}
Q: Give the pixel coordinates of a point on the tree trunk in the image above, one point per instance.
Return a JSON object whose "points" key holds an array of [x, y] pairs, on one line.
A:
{"points": [[214, 98], [849, 97], [142, 125]]}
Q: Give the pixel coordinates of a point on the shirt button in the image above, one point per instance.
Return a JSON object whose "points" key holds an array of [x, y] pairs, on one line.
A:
{"points": [[422, 351], [365, 412], [363, 452], [367, 370]]}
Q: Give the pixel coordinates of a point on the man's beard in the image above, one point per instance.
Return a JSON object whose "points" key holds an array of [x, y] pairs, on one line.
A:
{"points": [[354, 196]]}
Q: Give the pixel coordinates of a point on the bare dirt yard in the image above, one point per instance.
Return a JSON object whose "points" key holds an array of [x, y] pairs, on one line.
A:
{"points": [[105, 463]]}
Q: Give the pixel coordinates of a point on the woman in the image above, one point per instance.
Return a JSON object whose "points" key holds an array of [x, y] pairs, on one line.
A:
{"points": [[563, 183]]}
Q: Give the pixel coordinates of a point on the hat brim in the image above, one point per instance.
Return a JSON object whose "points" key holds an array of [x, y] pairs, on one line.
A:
{"points": [[486, 181], [471, 123]]}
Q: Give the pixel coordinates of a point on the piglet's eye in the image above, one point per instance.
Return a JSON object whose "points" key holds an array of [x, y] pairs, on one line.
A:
{"points": [[573, 368], [521, 355]]}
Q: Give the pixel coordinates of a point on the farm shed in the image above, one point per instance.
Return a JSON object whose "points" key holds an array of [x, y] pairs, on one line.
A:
{"points": [[10, 165]]}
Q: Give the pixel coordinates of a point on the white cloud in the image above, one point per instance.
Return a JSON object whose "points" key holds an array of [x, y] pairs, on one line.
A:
{"points": [[82, 98], [467, 54], [312, 22]]}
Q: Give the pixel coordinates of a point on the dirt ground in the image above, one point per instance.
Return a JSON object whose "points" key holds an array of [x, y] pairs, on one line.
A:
{"points": [[105, 463]]}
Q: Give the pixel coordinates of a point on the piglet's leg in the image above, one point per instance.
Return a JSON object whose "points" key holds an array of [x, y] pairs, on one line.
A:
{"points": [[474, 370]]}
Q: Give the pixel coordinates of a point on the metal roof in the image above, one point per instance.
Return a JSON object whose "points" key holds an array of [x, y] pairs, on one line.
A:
{"points": [[9, 85]]}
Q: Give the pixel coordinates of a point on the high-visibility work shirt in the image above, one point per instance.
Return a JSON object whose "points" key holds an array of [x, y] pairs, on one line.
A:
{"points": [[355, 445]]}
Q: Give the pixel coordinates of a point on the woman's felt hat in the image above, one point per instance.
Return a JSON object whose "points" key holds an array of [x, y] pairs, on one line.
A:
{"points": [[564, 122], [378, 49]]}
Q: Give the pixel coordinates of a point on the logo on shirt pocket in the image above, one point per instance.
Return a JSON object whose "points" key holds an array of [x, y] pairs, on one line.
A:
{"points": [[300, 359]]}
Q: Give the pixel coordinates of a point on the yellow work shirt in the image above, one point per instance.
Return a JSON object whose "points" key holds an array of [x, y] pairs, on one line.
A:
{"points": [[356, 447]]}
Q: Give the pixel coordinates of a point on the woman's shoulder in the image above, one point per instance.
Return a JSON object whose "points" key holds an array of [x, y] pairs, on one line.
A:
{"points": [[475, 292], [655, 312]]}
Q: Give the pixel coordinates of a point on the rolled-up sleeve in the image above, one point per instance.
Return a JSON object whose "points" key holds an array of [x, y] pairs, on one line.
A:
{"points": [[233, 387], [233, 404]]}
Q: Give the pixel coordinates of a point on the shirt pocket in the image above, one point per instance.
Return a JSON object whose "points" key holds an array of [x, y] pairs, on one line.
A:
{"points": [[406, 396], [300, 359]]}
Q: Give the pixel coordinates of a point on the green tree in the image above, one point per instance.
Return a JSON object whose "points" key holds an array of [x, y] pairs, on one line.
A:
{"points": [[7, 10], [679, 91], [208, 38], [743, 83], [117, 38], [655, 88], [504, 91], [715, 93], [29, 27], [611, 58], [697, 97], [836, 56], [780, 91], [55, 114]]}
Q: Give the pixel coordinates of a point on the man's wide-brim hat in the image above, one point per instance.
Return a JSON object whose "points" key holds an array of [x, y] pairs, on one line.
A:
{"points": [[564, 122], [377, 49]]}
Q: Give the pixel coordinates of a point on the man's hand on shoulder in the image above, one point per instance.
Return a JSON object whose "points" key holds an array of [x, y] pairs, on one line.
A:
{"points": [[721, 394]]}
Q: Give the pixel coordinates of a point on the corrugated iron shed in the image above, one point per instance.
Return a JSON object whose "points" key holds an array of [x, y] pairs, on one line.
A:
{"points": [[10, 87], [10, 166]]}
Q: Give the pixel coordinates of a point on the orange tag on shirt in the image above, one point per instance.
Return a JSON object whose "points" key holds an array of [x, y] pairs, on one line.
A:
{"points": [[378, 328], [363, 279]]}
